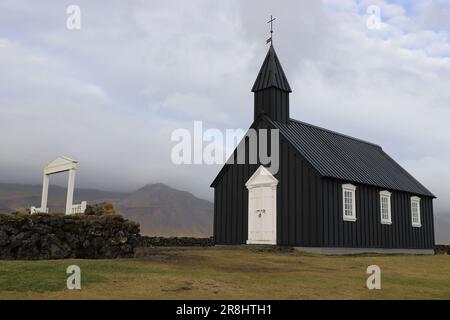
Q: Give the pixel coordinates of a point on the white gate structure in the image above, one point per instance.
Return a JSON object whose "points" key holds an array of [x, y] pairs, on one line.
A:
{"points": [[60, 164]]}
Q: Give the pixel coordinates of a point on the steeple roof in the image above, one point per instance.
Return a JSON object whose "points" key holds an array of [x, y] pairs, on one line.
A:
{"points": [[271, 74]]}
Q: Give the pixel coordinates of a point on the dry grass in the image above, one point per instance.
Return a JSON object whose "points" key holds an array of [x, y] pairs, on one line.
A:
{"points": [[230, 274]]}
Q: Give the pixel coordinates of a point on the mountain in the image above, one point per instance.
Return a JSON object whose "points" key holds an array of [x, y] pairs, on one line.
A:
{"points": [[160, 209], [164, 210], [442, 228]]}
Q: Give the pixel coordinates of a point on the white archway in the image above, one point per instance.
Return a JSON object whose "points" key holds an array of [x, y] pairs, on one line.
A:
{"points": [[60, 164]]}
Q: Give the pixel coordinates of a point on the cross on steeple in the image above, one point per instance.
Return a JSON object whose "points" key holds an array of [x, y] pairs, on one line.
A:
{"points": [[272, 19]]}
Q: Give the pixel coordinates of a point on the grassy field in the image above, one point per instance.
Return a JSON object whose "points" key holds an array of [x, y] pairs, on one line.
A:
{"points": [[230, 274]]}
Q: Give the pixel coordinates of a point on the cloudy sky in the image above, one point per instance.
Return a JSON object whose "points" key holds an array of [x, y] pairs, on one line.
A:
{"points": [[111, 93]]}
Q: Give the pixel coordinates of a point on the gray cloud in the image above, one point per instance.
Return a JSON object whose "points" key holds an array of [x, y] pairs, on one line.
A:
{"points": [[110, 94]]}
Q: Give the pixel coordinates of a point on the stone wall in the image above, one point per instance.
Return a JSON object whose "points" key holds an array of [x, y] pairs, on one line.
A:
{"points": [[442, 249], [45, 236], [176, 242]]}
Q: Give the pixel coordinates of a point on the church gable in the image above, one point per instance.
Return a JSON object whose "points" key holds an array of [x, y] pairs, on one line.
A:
{"points": [[263, 122]]}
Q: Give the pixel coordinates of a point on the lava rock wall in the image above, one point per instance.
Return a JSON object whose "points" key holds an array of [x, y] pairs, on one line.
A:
{"points": [[176, 242], [47, 236]]}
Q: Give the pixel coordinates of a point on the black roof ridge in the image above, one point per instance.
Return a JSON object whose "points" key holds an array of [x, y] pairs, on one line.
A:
{"points": [[336, 133]]}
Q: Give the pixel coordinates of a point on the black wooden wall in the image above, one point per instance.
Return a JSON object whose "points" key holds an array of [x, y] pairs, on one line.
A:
{"points": [[273, 102], [309, 209], [367, 231]]}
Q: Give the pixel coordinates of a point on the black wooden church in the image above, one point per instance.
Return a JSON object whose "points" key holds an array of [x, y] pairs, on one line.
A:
{"points": [[332, 193]]}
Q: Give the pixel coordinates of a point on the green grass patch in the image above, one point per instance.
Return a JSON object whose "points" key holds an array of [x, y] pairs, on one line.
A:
{"points": [[42, 276], [230, 274]]}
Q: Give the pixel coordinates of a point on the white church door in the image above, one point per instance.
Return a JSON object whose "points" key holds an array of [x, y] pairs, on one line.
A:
{"points": [[262, 209]]}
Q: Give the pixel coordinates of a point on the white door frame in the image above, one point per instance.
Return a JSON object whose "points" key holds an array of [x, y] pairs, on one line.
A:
{"points": [[262, 178]]}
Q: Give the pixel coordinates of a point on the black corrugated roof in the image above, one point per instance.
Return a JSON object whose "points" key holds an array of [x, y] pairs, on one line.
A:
{"points": [[343, 157], [271, 74]]}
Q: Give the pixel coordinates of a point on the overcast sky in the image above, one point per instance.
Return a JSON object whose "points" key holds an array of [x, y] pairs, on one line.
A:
{"points": [[111, 93]]}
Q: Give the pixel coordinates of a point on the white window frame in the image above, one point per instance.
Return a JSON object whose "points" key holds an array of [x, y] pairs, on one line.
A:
{"points": [[417, 224], [387, 195], [352, 189]]}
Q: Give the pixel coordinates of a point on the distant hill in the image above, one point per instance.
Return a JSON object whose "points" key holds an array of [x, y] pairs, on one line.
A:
{"points": [[160, 209], [442, 228]]}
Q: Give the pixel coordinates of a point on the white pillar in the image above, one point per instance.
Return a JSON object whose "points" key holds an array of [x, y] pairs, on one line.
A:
{"points": [[70, 189], [44, 192]]}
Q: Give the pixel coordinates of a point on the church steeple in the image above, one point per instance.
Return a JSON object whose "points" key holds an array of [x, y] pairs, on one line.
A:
{"points": [[272, 89]]}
